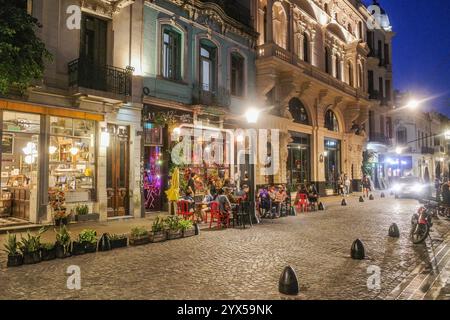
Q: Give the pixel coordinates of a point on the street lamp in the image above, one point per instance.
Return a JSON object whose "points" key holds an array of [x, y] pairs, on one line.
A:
{"points": [[252, 115], [398, 150], [412, 104]]}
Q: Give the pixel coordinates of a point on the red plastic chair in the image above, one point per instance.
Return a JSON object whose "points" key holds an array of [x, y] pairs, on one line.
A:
{"points": [[183, 209], [302, 203], [216, 216]]}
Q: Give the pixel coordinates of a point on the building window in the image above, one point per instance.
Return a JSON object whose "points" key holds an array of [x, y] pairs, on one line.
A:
{"points": [[279, 25], [327, 61], [298, 111], [360, 30], [306, 48], [299, 164], [327, 9], [402, 136], [331, 122], [349, 28], [237, 74], [171, 54], [350, 74], [337, 68], [208, 67], [332, 162]]}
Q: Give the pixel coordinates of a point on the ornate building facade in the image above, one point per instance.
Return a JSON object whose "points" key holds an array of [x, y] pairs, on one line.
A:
{"points": [[311, 67]]}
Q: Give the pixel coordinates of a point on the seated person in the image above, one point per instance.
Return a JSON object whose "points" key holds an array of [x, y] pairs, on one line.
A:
{"points": [[243, 193], [224, 205], [280, 198], [313, 195], [206, 204], [188, 197]]}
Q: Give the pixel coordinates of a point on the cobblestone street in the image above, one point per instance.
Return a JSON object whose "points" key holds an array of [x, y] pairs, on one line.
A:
{"points": [[246, 264]]}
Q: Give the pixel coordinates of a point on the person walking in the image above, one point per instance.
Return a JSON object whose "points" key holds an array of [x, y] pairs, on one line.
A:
{"points": [[347, 184], [366, 186]]}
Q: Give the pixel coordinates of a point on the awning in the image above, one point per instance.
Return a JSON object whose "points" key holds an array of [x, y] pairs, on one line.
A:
{"points": [[20, 106]]}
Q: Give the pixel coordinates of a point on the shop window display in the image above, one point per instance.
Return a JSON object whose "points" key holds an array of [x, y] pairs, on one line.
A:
{"points": [[20, 165], [72, 158]]}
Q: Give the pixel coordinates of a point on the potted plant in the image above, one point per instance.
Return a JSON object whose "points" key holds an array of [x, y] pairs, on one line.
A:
{"points": [[187, 228], [15, 258], [48, 251], [63, 242], [173, 228], [82, 214], [118, 240], [31, 247], [158, 233], [87, 242], [139, 236], [57, 202]]}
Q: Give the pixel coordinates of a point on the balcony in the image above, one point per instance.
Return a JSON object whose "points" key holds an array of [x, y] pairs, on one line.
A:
{"points": [[379, 138], [272, 50], [220, 97], [85, 74], [427, 150]]}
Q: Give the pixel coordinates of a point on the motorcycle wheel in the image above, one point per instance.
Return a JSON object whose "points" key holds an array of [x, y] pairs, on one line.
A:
{"points": [[419, 232]]}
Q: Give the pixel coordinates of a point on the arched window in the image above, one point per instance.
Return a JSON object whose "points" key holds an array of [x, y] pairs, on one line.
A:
{"points": [[306, 48], [331, 122], [350, 74], [171, 53], [298, 111], [337, 67], [262, 21], [279, 25], [327, 60]]}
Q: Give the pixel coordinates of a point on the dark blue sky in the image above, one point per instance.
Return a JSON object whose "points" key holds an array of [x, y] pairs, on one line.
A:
{"points": [[421, 50]]}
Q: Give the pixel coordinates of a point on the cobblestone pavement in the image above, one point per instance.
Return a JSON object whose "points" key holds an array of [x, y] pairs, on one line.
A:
{"points": [[246, 264]]}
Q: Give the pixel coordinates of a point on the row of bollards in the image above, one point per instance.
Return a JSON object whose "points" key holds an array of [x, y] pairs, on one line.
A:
{"points": [[288, 283]]}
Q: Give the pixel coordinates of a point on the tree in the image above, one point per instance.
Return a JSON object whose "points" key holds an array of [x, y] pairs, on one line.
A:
{"points": [[22, 53]]}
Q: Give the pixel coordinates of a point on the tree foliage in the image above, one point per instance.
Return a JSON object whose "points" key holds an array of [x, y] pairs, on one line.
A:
{"points": [[22, 53]]}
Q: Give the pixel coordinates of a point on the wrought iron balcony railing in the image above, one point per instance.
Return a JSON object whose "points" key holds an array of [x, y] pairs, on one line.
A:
{"points": [[220, 97], [427, 150], [380, 138], [83, 73]]}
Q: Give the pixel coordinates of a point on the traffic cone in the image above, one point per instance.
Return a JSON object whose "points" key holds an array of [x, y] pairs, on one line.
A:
{"points": [[288, 283], [357, 251]]}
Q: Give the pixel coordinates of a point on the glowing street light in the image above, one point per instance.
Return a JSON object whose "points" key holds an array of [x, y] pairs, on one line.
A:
{"points": [[252, 115], [412, 104], [447, 135], [398, 150]]}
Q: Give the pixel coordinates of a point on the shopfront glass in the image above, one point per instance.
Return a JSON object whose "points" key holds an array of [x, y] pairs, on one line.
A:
{"points": [[299, 165], [19, 164], [72, 164], [332, 161]]}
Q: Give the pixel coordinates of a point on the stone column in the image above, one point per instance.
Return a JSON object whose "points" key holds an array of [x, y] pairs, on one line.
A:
{"points": [[269, 21]]}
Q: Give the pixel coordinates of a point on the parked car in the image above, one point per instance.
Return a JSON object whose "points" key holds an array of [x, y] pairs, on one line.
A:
{"points": [[409, 187]]}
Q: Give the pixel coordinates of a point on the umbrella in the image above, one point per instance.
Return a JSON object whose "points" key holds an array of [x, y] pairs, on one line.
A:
{"points": [[174, 191]]}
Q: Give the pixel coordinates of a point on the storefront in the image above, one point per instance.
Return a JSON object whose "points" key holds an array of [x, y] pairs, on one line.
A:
{"points": [[299, 160], [332, 159], [46, 151]]}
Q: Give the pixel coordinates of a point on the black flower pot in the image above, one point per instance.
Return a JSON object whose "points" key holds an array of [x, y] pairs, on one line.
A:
{"points": [[32, 257], [47, 255], [90, 247], [59, 251], [15, 261], [139, 241], [119, 243], [78, 248]]}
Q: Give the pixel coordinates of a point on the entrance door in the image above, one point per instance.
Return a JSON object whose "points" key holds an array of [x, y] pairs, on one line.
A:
{"points": [[117, 179]]}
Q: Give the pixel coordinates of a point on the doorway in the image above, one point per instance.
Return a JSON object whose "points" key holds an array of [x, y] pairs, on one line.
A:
{"points": [[117, 176]]}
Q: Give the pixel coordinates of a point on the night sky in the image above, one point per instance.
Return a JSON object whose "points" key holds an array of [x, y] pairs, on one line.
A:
{"points": [[421, 51]]}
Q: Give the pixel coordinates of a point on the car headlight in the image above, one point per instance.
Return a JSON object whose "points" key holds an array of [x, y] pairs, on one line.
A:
{"points": [[396, 187], [418, 187]]}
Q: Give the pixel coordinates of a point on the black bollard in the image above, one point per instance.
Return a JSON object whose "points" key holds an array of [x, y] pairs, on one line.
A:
{"points": [[382, 195], [361, 199], [394, 232], [371, 197], [104, 243], [321, 207], [288, 283], [197, 229], [343, 203], [357, 251]]}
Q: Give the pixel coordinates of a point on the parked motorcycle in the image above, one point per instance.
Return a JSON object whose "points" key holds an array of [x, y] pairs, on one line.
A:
{"points": [[421, 223]]}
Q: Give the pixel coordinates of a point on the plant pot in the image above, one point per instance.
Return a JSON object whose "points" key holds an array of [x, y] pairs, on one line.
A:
{"points": [[90, 247], [174, 234], [119, 243], [78, 248], [188, 233], [139, 241], [60, 254], [87, 217], [32, 257], [158, 236], [15, 261], [62, 222], [47, 255]]}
